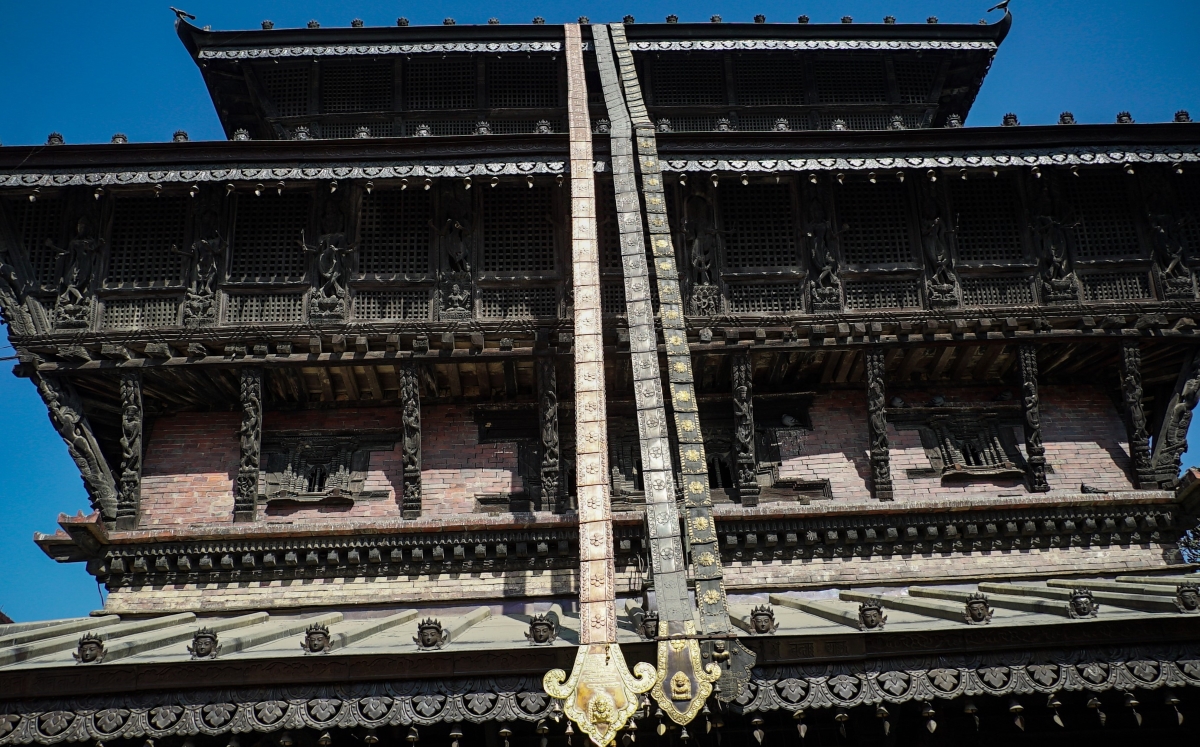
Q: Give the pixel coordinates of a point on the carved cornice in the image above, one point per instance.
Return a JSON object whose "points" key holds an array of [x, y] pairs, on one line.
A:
{"points": [[798, 45], [495, 698], [342, 50]]}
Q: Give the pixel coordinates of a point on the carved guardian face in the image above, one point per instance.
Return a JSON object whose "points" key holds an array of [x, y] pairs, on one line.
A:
{"points": [[203, 646], [650, 627], [429, 635], [681, 687], [1082, 605], [1188, 598], [89, 651], [762, 621], [541, 632], [977, 611], [316, 641], [871, 617]]}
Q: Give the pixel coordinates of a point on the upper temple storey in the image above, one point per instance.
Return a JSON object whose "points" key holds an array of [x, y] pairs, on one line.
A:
{"points": [[729, 343]]}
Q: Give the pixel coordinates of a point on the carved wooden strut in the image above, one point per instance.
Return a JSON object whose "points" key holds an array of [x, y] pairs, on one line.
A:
{"points": [[547, 381], [410, 399], [245, 496], [1035, 452], [132, 419], [881, 473]]}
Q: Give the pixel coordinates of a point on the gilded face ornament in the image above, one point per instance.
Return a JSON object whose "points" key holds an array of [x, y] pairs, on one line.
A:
{"points": [[204, 644], [977, 611], [431, 635], [90, 650], [316, 640], [871, 616], [762, 620], [1083, 604], [1187, 597]]}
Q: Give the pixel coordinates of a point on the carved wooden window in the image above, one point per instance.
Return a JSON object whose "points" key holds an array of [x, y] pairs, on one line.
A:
{"points": [[523, 82], [1115, 286], [966, 443], [915, 77], [345, 130], [759, 227], [141, 313], [311, 468], [518, 232], [987, 212], [768, 80], [358, 86], [766, 298], [612, 298], [439, 83], [287, 87], [877, 215], [688, 80], [146, 231], [850, 80], [269, 307], [266, 236], [996, 291], [392, 305], [1188, 190], [1103, 207], [518, 303], [393, 233], [607, 231], [35, 223], [882, 294]]}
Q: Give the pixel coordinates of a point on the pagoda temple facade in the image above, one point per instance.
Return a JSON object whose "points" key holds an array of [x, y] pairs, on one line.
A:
{"points": [[613, 382]]}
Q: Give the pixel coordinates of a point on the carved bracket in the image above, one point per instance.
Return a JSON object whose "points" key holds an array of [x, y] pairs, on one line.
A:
{"points": [[410, 401], [1135, 415], [1172, 435], [881, 475], [66, 415], [132, 419], [245, 495], [1035, 452]]}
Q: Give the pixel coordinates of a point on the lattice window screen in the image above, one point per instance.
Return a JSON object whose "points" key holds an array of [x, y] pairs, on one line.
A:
{"points": [[439, 83], [595, 91], [763, 80], [266, 236], [391, 305], [275, 307], [1115, 286], [850, 80], [358, 86], [915, 77], [1104, 211], [441, 127], [343, 130], [514, 82], [518, 236], [287, 87], [691, 123], [882, 294], [766, 122], [688, 80], [144, 232], [393, 233], [759, 226], [525, 126], [1188, 191], [517, 303], [996, 291], [878, 218], [766, 298], [987, 211], [612, 298], [141, 313], [36, 222], [868, 120], [608, 235]]}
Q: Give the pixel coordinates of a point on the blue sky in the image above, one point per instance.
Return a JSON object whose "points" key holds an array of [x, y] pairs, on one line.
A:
{"points": [[89, 69]]}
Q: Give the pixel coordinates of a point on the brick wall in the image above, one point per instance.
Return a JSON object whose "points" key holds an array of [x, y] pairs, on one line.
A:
{"points": [[191, 461], [1082, 430]]}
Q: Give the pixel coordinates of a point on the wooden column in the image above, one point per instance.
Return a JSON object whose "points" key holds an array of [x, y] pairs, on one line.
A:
{"points": [[1172, 434], [881, 471], [1035, 452], [547, 380], [132, 419], [1135, 415], [245, 495], [410, 402], [742, 375]]}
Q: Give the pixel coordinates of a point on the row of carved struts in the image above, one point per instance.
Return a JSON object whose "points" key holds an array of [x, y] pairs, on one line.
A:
{"points": [[410, 703]]}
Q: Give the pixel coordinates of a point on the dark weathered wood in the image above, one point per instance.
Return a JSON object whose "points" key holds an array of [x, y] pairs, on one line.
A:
{"points": [[881, 476], [245, 496], [132, 419], [1177, 416], [1035, 452], [410, 402]]}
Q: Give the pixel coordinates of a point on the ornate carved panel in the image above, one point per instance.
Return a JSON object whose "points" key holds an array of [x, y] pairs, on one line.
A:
{"points": [[319, 467], [881, 476], [410, 400], [132, 418], [1035, 452], [245, 494]]}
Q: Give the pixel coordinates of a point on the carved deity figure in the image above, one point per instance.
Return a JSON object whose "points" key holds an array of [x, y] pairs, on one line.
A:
{"points": [[454, 229], [1082, 604], [762, 620], [935, 233], [1171, 249], [204, 644], [458, 298], [1187, 597], [977, 610], [824, 240], [681, 687], [90, 649], [705, 243], [79, 264], [1051, 235], [431, 635], [543, 629], [871, 615], [66, 415], [316, 640], [331, 260], [205, 254]]}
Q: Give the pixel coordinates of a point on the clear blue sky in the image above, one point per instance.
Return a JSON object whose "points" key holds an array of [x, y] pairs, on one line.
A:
{"points": [[89, 69]]}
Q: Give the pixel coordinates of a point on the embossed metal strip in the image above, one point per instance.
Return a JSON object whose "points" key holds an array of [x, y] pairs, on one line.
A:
{"points": [[597, 588], [947, 159], [666, 545], [722, 45], [343, 50], [705, 555]]}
